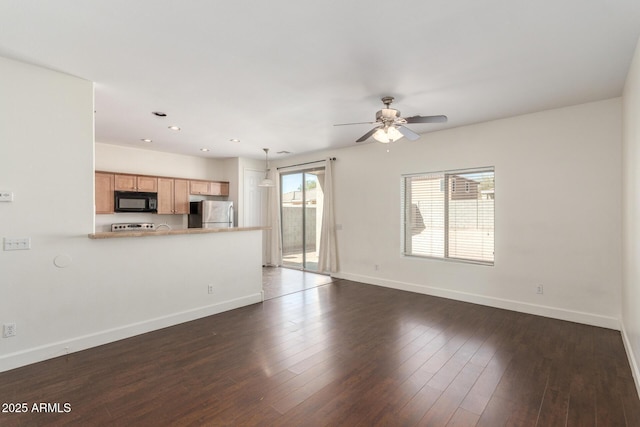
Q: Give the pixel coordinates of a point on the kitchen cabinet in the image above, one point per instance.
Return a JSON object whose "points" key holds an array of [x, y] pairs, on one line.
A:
{"points": [[104, 185], [199, 187], [181, 196], [220, 188], [136, 183], [173, 196], [209, 188], [173, 193]]}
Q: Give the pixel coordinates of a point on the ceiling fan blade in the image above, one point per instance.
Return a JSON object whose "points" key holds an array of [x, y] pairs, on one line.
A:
{"points": [[426, 119], [368, 134], [358, 123], [408, 133]]}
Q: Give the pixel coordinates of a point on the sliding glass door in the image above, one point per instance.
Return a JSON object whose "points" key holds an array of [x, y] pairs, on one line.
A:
{"points": [[301, 199]]}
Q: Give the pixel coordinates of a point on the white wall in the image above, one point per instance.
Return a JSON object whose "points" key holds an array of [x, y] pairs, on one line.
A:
{"points": [[558, 208], [118, 158], [111, 289], [631, 217]]}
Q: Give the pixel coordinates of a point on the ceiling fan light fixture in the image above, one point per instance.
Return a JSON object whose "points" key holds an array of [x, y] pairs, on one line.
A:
{"points": [[390, 124], [387, 135], [387, 113]]}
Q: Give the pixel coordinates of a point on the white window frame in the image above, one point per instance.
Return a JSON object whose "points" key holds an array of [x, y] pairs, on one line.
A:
{"points": [[406, 214]]}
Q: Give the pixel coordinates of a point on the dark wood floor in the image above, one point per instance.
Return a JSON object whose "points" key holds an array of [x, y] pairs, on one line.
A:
{"points": [[343, 354]]}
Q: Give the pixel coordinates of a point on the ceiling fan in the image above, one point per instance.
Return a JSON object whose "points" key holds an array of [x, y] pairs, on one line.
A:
{"points": [[390, 126]]}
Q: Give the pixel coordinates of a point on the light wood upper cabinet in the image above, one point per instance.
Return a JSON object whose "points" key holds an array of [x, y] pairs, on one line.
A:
{"points": [[199, 187], [126, 182], [181, 196], [136, 183], [220, 188], [173, 193], [209, 188], [148, 184], [173, 196], [165, 196], [104, 192]]}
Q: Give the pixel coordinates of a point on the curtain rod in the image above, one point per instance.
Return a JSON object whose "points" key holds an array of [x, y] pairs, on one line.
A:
{"points": [[302, 164]]}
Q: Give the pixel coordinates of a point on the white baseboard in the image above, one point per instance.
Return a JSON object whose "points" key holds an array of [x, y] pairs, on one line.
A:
{"points": [[632, 358], [49, 351], [523, 307]]}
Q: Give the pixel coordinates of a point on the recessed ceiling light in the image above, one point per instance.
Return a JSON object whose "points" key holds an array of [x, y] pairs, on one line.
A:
{"points": [[159, 113], [204, 149], [234, 140], [284, 152], [146, 140], [174, 127]]}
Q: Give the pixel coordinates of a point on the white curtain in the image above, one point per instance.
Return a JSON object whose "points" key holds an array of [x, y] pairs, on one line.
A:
{"points": [[328, 257], [274, 236]]}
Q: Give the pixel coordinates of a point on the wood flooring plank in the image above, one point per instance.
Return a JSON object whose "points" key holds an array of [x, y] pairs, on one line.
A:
{"points": [[343, 402], [463, 418], [582, 405], [629, 396], [302, 386], [554, 409], [497, 413], [458, 361], [482, 391], [418, 406], [448, 403]]}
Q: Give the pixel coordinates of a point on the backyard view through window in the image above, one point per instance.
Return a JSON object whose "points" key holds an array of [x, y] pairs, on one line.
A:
{"points": [[450, 215]]}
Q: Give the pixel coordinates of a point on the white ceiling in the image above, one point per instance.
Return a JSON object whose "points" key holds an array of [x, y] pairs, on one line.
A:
{"points": [[279, 74]]}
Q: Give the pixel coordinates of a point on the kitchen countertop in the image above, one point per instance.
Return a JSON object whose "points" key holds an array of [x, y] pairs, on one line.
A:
{"points": [[118, 234]]}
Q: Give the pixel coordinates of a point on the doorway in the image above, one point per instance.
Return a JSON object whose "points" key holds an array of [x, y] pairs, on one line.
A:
{"points": [[254, 212], [301, 203]]}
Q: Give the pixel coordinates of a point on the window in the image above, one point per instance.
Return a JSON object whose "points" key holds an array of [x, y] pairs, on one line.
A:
{"points": [[439, 222]]}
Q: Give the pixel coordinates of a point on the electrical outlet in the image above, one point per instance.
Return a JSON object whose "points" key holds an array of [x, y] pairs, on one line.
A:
{"points": [[20, 244], [210, 289], [9, 330], [539, 289], [6, 196]]}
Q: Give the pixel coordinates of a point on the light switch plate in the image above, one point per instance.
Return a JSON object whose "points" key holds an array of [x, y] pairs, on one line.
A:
{"points": [[19, 244], [6, 196], [8, 330]]}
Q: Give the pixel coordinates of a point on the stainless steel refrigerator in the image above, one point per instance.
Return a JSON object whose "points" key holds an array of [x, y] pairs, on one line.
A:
{"points": [[211, 214]]}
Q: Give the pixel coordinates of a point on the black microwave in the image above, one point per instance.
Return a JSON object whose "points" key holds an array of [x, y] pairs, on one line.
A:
{"points": [[129, 201]]}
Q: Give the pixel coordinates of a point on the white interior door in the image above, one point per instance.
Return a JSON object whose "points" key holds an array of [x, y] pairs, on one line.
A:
{"points": [[254, 209], [255, 200]]}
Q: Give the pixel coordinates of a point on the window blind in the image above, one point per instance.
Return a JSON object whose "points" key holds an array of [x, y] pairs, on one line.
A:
{"points": [[450, 215]]}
